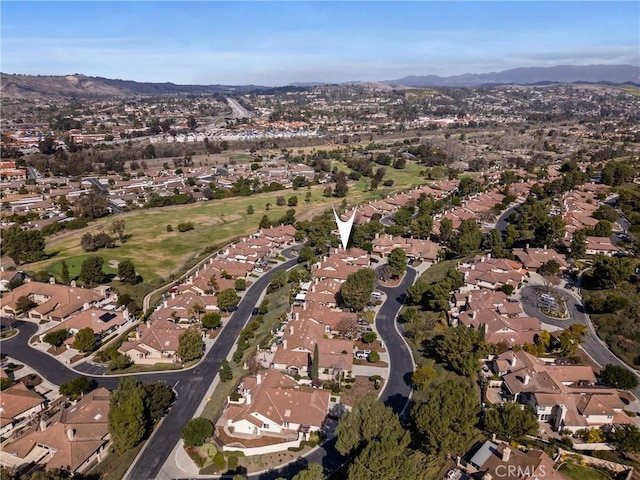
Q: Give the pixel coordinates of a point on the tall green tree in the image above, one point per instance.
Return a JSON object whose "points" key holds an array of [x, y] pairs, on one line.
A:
{"points": [[91, 273], [313, 471], [196, 431], [446, 231], [64, 276], [211, 320], [85, 340], [157, 400], [23, 246], [460, 348], [608, 272], [445, 421], [397, 262], [509, 420], [225, 371], [190, 345], [356, 291], [127, 272], [127, 418], [228, 299], [619, 377], [315, 363], [578, 244]]}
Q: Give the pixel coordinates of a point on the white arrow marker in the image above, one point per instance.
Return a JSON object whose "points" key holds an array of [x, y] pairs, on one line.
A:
{"points": [[344, 227]]}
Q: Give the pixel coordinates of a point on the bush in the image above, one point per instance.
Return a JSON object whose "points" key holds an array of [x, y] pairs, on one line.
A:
{"points": [[219, 461], [373, 357], [56, 338], [232, 463], [185, 226], [196, 432]]}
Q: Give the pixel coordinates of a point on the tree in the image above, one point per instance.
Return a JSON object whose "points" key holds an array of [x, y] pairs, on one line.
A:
{"points": [[250, 210], [24, 304], [347, 327], [609, 271], [313, 471], [341, 187], [509, 421], [56, 338], [127, 272], [397, 261], [240, 284], [549, 231], [228, 300], [626, 439], [23, 246], [48, 145], [369, 337], [368, 420], [64, 276], [468, 239], [570, 339], [446, 230], [264, 222], [383, 459], [225, 371], [373, 357], [307, 197], [444, 422], [281, 201], [157, 400], [307, 254], [292, 201], [315, 363], [91, 273], [92, 205], [552, 267], [603, 228], [356, 291], [77, 387], [578, 244], [127, 419], [6, 382], [196, 431], [278, 280], [619, 377], [211, 320], [459, 348], [117, 226], [423, 376], [190, 345], [85, 340]]}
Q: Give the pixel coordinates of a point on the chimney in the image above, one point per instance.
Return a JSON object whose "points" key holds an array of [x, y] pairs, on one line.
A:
{"points": [[173, 296], [527, 379], [506, 453], [487, 476], [258, 379], [166, 304], [71, 433], [284, 343], [526, 248], [514, 360], [291, 330], [43, 425]]}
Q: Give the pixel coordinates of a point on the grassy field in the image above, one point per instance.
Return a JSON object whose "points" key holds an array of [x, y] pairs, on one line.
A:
{"points": [[579, 472], [157, 253]]}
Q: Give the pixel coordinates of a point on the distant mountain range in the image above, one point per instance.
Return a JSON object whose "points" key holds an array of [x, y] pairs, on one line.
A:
{"points": [[82, 86], [530, 75]]}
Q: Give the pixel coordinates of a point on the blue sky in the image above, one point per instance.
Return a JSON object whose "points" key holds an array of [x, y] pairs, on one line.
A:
{"points": [[277, 43]]}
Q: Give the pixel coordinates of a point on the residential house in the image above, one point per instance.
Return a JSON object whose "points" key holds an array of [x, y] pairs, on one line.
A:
{"points": [[602, 245], [74, 439], [18, 403], [500, 460], [53, 302], [154, 342], [563, 395], [299, 339], [273, 404], [534, 258], [97, 319]]}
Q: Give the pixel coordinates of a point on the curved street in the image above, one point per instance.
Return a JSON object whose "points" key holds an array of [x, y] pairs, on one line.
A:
{"points": [[192, 385], [595, 348]]}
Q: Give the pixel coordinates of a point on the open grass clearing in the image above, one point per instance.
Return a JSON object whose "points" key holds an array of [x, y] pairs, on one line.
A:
{"points": [[580, 472]]}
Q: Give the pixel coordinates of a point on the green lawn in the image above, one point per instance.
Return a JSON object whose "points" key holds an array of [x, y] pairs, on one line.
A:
{"points": [[157, 253], [579, 472]]}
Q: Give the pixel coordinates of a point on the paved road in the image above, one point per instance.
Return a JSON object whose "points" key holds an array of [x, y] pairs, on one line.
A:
{"points": [[592, 344], [194, 384], [397, 391], [501, 223], [238, 110]]}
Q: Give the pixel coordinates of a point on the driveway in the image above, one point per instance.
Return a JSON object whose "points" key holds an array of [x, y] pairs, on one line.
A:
{"points": [[595, 348]]}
